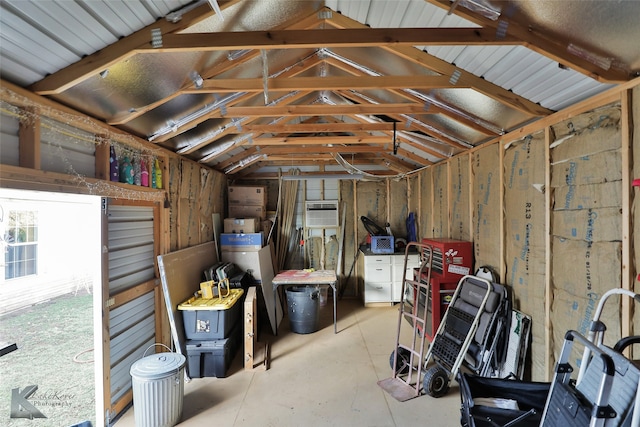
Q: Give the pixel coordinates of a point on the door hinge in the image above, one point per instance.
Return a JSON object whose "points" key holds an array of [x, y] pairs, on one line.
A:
{"points": [[108, 303]]}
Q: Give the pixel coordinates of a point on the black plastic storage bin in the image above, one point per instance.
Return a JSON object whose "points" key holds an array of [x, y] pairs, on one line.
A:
{"points": [[212, 358], [211, 319]]}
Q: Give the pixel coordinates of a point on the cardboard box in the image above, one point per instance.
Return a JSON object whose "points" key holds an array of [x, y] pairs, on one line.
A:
{"points": [[248, 195], [241, 225], [240, 242], [247, 211]]}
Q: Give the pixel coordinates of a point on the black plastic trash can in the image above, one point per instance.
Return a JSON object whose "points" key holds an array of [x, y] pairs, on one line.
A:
{"points": [[304, 308]]}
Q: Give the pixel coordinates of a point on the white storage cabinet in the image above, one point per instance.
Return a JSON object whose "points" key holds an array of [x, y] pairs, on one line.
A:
{"points": [[382, 277]]}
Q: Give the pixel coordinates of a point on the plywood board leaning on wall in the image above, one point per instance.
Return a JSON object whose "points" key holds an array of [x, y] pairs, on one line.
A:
{"points": [[426, 204], [525, 227], [486, 203], [586, 181], [398, 209], [459, 200], [440, 225]]}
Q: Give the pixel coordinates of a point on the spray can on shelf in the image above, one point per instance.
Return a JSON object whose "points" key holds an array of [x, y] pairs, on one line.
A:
{"points": [[157, 174], [144, 173], [152, 175], [126, 171], [136, 171], [114, 172]]}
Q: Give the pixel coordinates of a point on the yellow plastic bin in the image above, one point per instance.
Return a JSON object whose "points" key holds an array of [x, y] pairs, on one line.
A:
{"points": [[158, 389]]}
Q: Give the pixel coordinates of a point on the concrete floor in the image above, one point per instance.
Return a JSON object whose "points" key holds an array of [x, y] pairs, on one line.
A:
{"points": [[318, 379]]}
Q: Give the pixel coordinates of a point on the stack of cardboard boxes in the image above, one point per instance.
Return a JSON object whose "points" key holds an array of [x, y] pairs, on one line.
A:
{"points": [[244, 242], [243, 228]]}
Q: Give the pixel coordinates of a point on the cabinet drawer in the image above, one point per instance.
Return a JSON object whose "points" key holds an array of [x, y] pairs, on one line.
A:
{"points": [[412, 259], [376, 260], [377, 292], [377, 273]]}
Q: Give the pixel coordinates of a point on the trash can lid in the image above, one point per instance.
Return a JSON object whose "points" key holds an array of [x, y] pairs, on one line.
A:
{"points": [[157, 365]]}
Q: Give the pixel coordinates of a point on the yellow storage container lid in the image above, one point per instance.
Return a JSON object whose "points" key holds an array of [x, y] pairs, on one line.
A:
{"points": [[218, 303]]}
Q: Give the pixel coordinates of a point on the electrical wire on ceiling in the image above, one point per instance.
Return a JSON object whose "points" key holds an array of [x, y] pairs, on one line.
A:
{"points": [[369, 176]]}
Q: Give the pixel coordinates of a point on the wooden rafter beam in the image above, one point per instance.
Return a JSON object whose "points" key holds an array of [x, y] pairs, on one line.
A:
{"points": [[540, 41], [302, 67], [313, 39], [238, 157], [440, 135], [443, 67], [395, 163], [462, 117], [421, 147], [95, 63], [306, 22], [413, 157]]}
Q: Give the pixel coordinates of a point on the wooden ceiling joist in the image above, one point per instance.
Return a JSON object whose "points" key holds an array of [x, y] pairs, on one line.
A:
{"points": [[319, 140], [314, 39], [215, 85], [319, 127], [321, 110]]}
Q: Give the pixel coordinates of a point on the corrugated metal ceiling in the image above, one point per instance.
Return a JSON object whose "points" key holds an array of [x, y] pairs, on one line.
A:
{"points": [[540, 56]]}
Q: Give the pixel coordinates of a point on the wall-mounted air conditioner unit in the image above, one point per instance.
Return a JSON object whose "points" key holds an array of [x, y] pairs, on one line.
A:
{"points": [[321, 214]]}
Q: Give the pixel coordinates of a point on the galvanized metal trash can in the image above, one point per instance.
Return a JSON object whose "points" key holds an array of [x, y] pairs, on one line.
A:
{"points": [[304, 309], [158, 389]]}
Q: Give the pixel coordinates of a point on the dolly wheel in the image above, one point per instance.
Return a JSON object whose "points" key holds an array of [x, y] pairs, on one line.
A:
{"points": [[402, 364], [436, 381]]}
